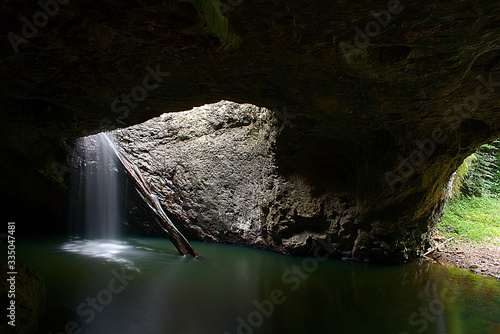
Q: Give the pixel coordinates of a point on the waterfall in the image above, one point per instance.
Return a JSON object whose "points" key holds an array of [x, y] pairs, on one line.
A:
{"points": [[96, 212]]}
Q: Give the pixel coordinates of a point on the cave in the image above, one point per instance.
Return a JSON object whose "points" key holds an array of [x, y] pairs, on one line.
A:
{"points": [[285, 125]]}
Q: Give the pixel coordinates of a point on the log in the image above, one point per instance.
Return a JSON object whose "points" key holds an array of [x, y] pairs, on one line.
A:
{"points": [[437, 247], [161, 219]]}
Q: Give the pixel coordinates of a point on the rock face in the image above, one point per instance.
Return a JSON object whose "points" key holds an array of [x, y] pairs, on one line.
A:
{"points": [[215, 169], [212, 167], [384, 99], [30, 294]]}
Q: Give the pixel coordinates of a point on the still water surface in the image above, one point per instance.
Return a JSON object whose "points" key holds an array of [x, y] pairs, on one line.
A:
{"points": [[140, 285]]}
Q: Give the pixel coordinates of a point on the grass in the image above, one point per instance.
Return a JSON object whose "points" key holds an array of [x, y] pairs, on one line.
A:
{"points": [[474, 219]]}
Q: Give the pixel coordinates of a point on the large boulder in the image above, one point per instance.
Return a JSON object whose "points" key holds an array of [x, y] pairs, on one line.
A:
{"points": [[214, 168]]}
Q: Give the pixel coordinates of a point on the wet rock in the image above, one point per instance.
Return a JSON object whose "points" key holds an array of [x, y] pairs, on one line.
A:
{"points": [[214, 170]]}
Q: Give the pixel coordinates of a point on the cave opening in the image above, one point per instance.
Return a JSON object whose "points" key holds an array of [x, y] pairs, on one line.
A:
{"points": [[470, 221], [239, 174], [208, 168], [312, 197]]}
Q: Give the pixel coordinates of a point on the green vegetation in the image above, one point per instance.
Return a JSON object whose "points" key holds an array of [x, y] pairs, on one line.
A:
{"points": [[474, 210], [473, 218], [460, 174], [483, 175], [215, 22]]}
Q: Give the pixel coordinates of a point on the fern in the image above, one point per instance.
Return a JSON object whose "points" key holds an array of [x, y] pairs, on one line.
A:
{"points": [[218, 25], [483, 174]]}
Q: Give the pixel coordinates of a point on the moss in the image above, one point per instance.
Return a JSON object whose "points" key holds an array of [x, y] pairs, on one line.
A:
{"points": [[460, 175], [217, 24]]}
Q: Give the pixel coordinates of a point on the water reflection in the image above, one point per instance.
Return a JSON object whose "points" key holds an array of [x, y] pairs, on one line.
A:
{"points": [[233, 292], [108, 250]]}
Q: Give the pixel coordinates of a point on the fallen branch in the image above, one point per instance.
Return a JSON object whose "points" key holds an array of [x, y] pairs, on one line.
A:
{"points": [[161, 219], [441, 244]]}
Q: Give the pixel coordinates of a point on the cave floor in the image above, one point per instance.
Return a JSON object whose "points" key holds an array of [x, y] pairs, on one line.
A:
{"points": [[482, 259]]}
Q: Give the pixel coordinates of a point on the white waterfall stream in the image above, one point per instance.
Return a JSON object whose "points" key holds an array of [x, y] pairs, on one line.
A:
{"points": [[96, 209]]}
